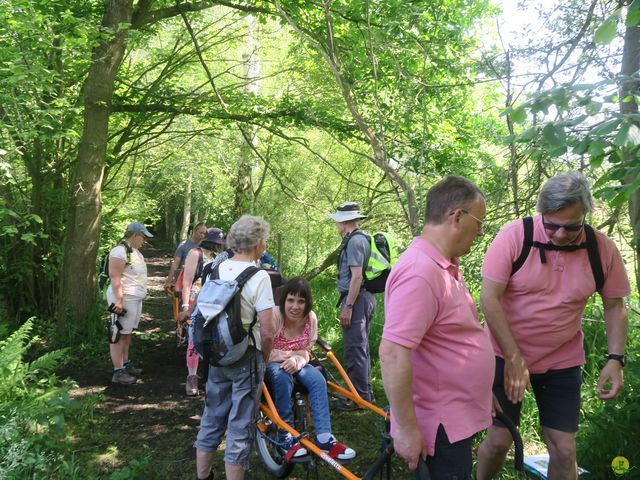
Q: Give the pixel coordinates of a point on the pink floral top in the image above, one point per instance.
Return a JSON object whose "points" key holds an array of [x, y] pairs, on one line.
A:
{"points": [[297, 348], [301, 342]]}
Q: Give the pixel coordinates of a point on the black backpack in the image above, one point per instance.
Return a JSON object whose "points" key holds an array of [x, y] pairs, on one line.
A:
{"points": [[590, 243], [218, 331], [103, 270]]}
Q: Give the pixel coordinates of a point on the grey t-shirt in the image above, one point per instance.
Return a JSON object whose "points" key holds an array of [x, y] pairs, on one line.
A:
{"points": [[183, 250], [355, 255]]}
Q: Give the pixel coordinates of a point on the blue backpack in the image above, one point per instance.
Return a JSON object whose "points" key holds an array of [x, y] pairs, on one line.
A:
{"points": [[218, 331]]}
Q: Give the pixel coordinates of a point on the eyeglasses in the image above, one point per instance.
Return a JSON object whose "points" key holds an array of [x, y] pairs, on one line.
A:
{"points": [[480, 222], [554, 227]]}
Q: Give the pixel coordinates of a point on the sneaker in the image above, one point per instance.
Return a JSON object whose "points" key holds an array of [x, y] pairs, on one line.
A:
{"points": [[131, 369], [346, 405], [122, 377], [191, 385], [294, 450], [337, 450]]}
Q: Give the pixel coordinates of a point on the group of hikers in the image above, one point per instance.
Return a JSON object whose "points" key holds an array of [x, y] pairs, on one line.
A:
{"points": [[444, 373]]}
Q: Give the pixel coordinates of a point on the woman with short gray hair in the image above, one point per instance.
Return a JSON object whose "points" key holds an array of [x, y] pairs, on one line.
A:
{"points": [[247, 233], [565, 190], [233, 392]]}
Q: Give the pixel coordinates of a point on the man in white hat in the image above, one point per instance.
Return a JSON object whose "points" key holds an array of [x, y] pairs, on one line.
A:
{"points": [[356, 304]]}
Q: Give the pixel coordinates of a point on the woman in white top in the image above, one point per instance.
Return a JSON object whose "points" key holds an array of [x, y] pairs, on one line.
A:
{"points": [[233, 392], [128, 274]]}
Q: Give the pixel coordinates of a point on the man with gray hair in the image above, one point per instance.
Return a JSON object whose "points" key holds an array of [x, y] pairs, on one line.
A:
{"points": [[538, 274]]}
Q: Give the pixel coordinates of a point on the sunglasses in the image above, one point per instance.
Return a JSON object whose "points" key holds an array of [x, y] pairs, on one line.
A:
{"points": [[554, 227]]}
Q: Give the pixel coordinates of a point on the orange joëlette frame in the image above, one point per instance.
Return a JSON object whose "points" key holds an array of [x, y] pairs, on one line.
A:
{"points": [[270, 411]]}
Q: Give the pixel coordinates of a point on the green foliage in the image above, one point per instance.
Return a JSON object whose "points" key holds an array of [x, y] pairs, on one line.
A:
{"points": [[609, 429], [33, 406]]}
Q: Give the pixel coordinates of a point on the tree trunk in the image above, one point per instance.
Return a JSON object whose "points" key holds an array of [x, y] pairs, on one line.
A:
{"points": [[186, 208], [245, 193], [629, 87], [78, 287]]}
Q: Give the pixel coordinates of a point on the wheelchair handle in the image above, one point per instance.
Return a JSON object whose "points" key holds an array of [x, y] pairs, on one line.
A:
{"points": [[324, 345], [517, 440]]}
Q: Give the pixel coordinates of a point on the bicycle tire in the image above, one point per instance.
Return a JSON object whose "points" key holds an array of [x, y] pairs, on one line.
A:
{"points": [[269, 454]]}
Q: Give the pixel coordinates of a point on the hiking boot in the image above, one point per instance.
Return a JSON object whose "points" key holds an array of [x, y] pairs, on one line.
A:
{"points": [[191, 385], [336, 450], [131, 369], [346, 405], [122, 377]]}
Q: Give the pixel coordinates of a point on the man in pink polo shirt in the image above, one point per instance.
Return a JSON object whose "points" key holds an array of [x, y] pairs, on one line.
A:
{"points": [[437, 362], [533, 306]]}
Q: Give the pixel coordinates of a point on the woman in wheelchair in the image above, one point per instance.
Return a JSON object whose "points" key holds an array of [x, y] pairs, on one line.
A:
{"points": [[296, 332]]}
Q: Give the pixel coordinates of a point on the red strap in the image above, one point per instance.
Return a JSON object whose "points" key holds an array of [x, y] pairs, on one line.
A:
{"points": [[291, 453], [337, 449]]}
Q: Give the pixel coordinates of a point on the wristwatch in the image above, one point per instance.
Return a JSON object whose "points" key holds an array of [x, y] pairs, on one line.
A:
{"points": [[614, 356], [349, 306], [184, 307]]}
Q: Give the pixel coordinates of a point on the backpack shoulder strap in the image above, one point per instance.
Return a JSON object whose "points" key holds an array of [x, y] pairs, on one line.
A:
{"points": [[246, 274], [594, 256], [128, 250], [345, 242], [200, 266], [527, 223]]}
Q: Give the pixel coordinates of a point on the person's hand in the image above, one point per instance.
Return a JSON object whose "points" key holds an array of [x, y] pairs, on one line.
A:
{"points": [[516, 378], [168, 287], [611, 380], [345, 316], [183, 316], [289, 366], [409, 445]]}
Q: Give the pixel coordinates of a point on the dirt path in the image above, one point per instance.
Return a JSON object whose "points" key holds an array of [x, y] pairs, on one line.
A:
{"points": [[153, 423]]}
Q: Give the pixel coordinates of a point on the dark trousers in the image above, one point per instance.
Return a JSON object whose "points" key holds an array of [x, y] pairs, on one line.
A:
{"points": [[356, 343], [451, 461]]}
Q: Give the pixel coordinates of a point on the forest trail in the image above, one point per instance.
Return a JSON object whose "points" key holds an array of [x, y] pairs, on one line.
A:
{"points": [[151, 426]]}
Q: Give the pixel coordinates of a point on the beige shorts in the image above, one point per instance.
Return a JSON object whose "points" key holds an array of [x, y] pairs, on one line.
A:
{"points": [[133, 306]]}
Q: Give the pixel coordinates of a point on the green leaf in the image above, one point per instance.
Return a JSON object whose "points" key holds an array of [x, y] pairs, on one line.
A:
{"points": [[622, 136], [606, 127], [620, 199], [607, 31], [596, 161], [582, 147], [633, 14], [593, 107], [554, 135], [519, 115], [528, 134], [557, 151]]}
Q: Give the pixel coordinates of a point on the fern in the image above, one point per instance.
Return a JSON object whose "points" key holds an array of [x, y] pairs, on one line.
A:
{"points": [[33, 404]]}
